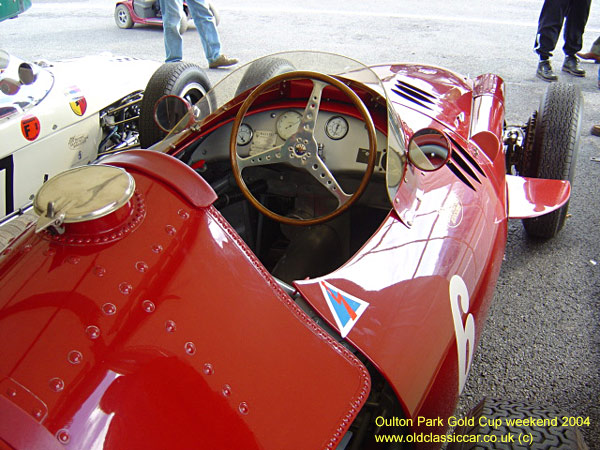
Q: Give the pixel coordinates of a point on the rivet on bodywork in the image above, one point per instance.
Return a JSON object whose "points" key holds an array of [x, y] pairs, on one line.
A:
{"points": [[157, 248], [125, 288], [93, 332], [56, 384], [171, 230], [148, 306], [11, 392], [190, 348], [50, 252], [141, 266], [37, 413], [109, 309], [74, 357], [99, 271], [73, 260], [170, 326], [183, 214], [63, 436], [244, 408], [208, 369], [226, 391]]}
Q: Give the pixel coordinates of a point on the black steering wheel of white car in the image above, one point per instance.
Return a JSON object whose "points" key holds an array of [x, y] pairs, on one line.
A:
{"points": [[301, 149]]}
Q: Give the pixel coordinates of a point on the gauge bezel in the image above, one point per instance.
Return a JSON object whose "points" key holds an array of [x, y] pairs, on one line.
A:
{"points": [[244, 126], [280, 119], [337, 137]]}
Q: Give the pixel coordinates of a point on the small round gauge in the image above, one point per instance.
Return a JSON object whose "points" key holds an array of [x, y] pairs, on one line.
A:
{"points": [[288, 123], [336, 127], [244, 135]]}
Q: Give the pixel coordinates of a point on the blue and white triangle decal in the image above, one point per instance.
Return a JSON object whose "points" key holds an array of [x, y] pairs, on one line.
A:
{"points": [[345, 308]]}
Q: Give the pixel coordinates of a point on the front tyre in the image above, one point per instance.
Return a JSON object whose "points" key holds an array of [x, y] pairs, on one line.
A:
{"points": [[262, 70], [553, 150], [123, 16], [183, 79]]}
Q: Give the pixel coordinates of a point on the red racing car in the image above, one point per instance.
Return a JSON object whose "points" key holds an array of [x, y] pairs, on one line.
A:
{"points": [[305, 261]]}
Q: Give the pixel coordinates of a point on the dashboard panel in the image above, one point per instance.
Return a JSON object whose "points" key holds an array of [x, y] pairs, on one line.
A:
{"points": [[342, 139]]}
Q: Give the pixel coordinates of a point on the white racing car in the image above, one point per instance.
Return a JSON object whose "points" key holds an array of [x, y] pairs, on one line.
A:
{"points": [[57, 115]]}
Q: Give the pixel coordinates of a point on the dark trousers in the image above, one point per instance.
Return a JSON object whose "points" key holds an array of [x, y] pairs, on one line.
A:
{"points": [[574, 14]]}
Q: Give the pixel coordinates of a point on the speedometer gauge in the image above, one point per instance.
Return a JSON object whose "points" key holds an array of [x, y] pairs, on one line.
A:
{"points": [[244, 135], [336, 127], [288, 123]]}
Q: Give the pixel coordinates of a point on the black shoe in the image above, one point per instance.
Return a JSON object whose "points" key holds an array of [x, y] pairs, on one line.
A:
{"points": [[571, 65], [545, 72]]}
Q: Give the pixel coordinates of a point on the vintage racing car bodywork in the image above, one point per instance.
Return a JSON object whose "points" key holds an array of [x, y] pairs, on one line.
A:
{"points": [[156, 308], [67, 114]]}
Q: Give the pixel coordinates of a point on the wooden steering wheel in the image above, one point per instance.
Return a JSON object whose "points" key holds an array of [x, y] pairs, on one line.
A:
{"points": [[301, 148]]}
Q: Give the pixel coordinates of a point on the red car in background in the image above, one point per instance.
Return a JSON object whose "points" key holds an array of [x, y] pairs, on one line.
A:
{"points": [[305, 261], [147, 12]]}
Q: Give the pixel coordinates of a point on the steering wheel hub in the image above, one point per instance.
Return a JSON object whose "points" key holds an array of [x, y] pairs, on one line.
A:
{"points": [[300, 149]]}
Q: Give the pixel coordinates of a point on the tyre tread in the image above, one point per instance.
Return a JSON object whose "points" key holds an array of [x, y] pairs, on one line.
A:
{"points": [[544, 438], [554, 151]]}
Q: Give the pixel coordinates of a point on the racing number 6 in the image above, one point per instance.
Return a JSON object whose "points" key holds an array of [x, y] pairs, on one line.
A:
{"points": [[465, 333]]}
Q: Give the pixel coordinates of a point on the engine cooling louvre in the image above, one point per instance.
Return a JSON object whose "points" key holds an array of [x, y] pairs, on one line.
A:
{"points": [[468, 157], [461, 163], [461, 168], [414, 94]]}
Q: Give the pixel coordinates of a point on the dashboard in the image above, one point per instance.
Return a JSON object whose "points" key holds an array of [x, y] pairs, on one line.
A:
{"points": [[342, 139]]}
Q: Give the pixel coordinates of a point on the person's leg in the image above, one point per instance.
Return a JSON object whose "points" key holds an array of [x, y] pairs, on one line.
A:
{"points": [[171, 15], [549, 26], [577, 16], [205, 24]]}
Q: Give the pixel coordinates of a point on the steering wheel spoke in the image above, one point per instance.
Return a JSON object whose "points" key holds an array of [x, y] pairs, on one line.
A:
{"points": [[309, 118], [323, 175], [270, 156]]}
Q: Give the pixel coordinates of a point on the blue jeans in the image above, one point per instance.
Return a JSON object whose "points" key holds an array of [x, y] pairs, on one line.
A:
{"points": [[205, 24]]}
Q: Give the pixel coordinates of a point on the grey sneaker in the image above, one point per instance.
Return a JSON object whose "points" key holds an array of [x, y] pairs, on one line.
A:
{"points": [[545, 72], [222, 61]]}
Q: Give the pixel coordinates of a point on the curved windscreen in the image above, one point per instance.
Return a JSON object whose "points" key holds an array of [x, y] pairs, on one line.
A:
{"points": [[237, 84]]}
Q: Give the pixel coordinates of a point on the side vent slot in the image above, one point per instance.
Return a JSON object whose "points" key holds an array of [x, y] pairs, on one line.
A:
{"points": [[468, 157], [464, 166], [414, 94], [459, 174]]}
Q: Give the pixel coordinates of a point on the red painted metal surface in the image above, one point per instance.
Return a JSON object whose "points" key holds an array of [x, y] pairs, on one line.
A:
{"points": [[171, 336], [175, 326], [533, 197], [455, 231]]}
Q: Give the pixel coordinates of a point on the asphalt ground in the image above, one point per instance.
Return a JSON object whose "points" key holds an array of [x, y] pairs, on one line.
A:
{"points": [[542, 339]]}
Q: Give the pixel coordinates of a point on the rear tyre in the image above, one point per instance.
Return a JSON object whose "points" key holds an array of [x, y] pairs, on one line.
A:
{"points": [[123, 17], [263, 70], [507, 437], [183, 79], [553, 150]]}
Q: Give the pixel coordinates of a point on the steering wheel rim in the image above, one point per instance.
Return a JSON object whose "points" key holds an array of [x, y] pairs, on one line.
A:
{"points": [[301, 150]]}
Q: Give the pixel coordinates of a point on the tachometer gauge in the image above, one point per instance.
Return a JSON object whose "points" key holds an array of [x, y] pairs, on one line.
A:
{"points": [[336, 127], [288, 123], [244, 135]]}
